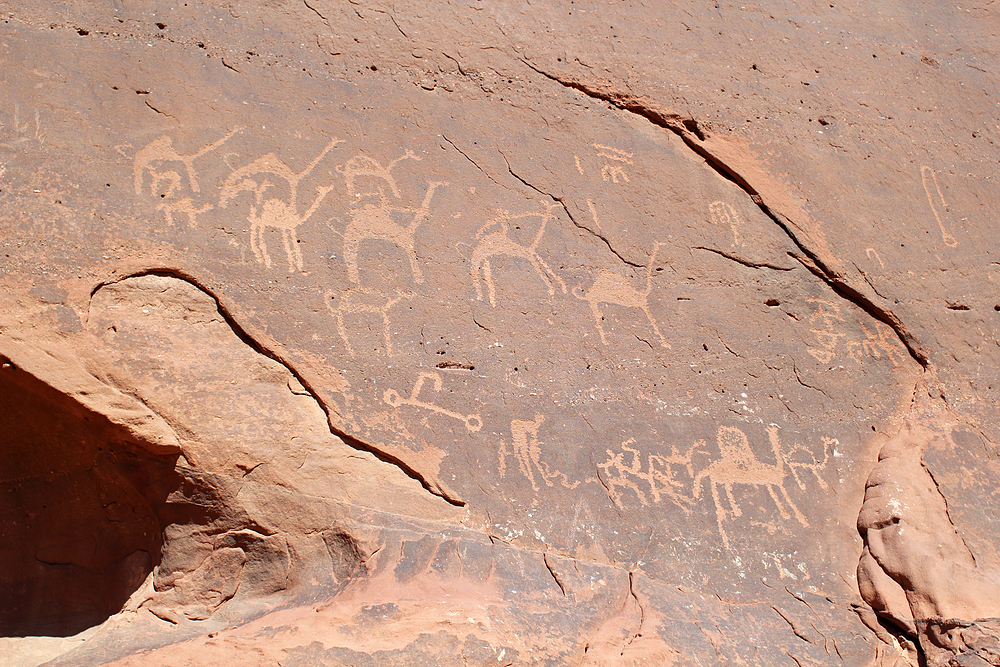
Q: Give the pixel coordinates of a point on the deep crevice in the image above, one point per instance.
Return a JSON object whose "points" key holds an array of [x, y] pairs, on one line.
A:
{"points": [[83, 510], [274, 355], [689, 132]]}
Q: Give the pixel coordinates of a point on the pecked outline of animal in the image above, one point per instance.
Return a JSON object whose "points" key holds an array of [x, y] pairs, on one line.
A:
{"points": [[162, 149], [374, 222], [499, 243], [737, 464], [347, 305], [275, 213], [362, 165], [616, 289]]}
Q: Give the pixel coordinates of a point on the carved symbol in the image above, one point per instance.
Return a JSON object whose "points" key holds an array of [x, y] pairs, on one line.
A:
{"points": [[275, 213], [472, 422], [499, 243], [658, 475], [162, 150], [828, 335], [724, 214], [612, 172], [358, 301], [374, 222], [946, 236], [528, 452], [616, 289], [738, 464], [873, 251], [593, 213]]}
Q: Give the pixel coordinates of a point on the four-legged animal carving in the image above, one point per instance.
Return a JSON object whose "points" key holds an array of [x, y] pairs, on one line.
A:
{"points": [[162, 150], [358, 301], [738, 464], [374, 222], [499, 243], [362, 165], [275, 213], [616, 289]]}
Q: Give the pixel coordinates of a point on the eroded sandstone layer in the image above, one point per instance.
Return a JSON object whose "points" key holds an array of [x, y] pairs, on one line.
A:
{"points": [[585, 333]]}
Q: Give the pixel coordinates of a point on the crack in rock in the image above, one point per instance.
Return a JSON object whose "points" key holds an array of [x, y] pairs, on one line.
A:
{"points": [[695, 138], [430, 485]]}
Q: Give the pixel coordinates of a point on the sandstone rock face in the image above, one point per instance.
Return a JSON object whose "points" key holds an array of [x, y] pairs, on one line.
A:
{"points": [[498, 333]]}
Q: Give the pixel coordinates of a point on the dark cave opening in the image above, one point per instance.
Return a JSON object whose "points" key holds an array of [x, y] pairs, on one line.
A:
{"points": [[80, 510]]}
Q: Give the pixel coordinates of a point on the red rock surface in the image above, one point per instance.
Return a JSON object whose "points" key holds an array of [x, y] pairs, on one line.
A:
{"points": [[498, 333]]}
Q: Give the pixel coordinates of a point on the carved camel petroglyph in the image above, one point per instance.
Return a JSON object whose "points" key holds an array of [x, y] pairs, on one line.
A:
{"points": [[359, 301], [374, 222], [362, 165], [162, 150], [275, 213], [616, 289], [738, 464], [499, 243]]}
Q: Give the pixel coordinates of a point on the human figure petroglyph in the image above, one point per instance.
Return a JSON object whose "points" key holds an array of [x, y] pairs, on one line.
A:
{"points": [[616, 289], [528, 452], [827, 333], [472, 421], [184, 205], [883, 339], [737, 464], [658, 475], [162, 149], [946, 236], [275, 213], [359, 301], [724, 214], [374, 222], [499, 243]]}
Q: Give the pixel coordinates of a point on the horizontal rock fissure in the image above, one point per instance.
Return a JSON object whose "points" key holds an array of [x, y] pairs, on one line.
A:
{"points": [[257, 347], [687, 130]]}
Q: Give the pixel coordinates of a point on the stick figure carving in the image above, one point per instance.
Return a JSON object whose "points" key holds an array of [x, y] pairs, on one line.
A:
{"points": [[359, 301], [658, 475], [738, 464], [528, 452], [616, 289], [374, 222], [162, 150], [275, 213], [498, 243]]}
